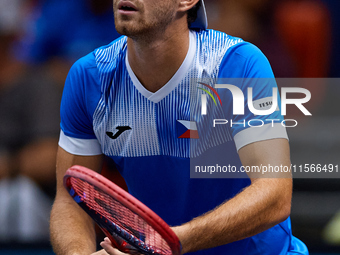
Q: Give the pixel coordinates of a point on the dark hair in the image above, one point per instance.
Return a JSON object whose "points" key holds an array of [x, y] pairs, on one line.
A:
{"points": [[192, 13]]}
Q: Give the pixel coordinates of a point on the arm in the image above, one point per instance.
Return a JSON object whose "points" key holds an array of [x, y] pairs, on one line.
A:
{"points": [[263, 204], [72, 230]]}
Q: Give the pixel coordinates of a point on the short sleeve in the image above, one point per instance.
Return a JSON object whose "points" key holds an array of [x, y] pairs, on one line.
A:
{"points": [[80, 97], [245, 67]]}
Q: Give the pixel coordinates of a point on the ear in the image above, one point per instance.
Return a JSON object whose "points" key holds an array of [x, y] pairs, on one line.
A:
{"points": [[185, 5]]}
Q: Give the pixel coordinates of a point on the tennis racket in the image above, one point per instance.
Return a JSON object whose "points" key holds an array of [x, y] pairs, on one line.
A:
{"points": [[130, 225]]}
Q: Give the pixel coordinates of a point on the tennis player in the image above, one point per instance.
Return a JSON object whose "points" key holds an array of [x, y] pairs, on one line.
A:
{"points": [[134, 101]]}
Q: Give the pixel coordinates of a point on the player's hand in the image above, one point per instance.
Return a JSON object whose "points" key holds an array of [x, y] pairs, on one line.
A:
{"points": [[181, 233], [108, 249], [101, 252]]}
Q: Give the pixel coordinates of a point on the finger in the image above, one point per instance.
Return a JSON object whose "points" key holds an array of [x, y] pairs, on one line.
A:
{"points": [[107, 245], [101, 252]]}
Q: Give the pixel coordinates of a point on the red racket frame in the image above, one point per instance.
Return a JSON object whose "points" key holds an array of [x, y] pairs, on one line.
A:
{"points": [[128, 201]]}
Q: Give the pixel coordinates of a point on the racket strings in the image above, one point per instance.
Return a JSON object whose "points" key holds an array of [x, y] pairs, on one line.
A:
{"points": [[125, 223]]}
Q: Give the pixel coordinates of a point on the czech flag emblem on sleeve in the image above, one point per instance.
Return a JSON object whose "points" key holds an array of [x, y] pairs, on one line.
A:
{"points": [[187, 129]]}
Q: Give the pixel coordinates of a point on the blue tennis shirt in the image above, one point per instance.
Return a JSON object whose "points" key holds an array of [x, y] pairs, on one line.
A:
{"points": [[105, 109]]}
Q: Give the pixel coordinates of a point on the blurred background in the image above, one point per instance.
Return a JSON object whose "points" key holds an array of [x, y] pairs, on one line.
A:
{"points": [[41, 39]]}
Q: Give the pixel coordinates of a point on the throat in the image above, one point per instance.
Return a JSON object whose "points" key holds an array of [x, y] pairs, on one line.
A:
{"points": [[155, 67], [157, 77]]}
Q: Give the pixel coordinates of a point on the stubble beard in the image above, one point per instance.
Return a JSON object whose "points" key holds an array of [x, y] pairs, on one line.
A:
{"points": [[146, 28]]}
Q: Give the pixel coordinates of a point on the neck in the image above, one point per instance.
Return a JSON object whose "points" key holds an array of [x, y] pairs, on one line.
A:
{"points": [[155, 59]]}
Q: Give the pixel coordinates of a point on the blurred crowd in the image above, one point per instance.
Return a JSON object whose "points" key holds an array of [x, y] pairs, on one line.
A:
{"points": [[41, 39]]}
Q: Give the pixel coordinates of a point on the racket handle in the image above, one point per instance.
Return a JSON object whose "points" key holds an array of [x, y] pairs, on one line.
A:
{"points": [[123, 247]]}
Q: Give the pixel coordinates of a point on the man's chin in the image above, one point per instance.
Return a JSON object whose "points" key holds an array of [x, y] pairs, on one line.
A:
{"points": [[124, 28], [130, 31], [125, 31]]}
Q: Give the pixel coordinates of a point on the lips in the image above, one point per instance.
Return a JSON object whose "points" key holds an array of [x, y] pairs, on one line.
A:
{"points": [[126, 7]]}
